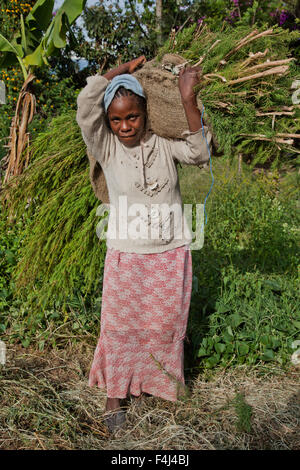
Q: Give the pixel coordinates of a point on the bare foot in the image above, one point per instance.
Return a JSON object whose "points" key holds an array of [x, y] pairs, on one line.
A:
{"points": [[112, 404]]}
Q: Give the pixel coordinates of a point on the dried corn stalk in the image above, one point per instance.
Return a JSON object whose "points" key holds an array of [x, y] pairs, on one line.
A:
{"points": [[17, 159]]}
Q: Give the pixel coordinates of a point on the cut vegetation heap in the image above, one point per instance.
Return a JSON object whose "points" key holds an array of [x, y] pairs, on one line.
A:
{"points": [[246, 89]]}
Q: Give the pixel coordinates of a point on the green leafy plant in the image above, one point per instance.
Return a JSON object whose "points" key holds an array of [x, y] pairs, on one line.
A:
{"points": [[39, 35], [245, 302]]}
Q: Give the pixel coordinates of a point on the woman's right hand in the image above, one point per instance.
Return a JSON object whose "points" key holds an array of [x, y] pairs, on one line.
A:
{"points": [[135, 63], [128, 67]]}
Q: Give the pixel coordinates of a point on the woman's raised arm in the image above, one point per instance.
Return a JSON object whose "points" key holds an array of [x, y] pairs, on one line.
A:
{"points": [[195, 147], [90, 111], [128, 67], [188, 78]]}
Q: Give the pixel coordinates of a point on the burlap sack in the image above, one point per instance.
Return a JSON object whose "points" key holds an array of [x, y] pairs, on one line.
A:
{"points": [[98, 181], [165, 111], [166, 114]]}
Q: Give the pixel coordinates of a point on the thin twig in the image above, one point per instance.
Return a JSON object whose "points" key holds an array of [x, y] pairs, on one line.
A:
{"points": [[250, 35], [253, 57], [199, 30], [222, 105], [203, 57], [269, 64], [240, 159], [283, 108], [39, 441], [209, 75], [253, 17], [276, 70], [250, 39], [276, 113], [183, 25], [293, 136], [275, 139], [188, 19]]}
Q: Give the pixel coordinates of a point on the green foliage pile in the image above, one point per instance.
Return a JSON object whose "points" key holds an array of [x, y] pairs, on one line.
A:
{"points": [[121, 32], [233, 108]]}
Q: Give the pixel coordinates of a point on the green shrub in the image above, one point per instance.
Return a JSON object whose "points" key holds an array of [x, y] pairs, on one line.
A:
{"points": [[245, 303]]}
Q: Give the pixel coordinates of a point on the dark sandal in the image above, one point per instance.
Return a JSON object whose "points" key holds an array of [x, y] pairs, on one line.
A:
{"points": [[115, 420]]}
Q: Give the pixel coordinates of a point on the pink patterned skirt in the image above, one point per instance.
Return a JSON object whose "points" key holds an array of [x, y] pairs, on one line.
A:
{"points": [[145, 307]]}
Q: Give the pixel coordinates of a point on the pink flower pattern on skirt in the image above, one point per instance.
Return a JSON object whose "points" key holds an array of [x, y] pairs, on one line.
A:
{"points": [[145, 307]]}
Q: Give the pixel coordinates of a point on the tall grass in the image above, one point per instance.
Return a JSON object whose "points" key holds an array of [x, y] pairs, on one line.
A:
{"points": [[46, 404]]}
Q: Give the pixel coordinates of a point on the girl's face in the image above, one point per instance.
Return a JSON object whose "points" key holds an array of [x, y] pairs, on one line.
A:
{"points": [[127, 120]]}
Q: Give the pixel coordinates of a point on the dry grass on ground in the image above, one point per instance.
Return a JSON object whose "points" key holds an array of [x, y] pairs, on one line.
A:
{"points": [[45, 403]]}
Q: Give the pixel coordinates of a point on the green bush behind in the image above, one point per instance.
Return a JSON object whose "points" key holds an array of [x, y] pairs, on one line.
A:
{"points": [[245, 301]]}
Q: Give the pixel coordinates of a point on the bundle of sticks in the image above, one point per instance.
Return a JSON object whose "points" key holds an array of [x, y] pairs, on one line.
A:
{"points": [[256, 73]]}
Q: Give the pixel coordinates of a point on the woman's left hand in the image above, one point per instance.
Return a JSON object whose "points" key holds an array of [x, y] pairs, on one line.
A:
{"points": [[188, 79], [135, 63], [128, 67]]}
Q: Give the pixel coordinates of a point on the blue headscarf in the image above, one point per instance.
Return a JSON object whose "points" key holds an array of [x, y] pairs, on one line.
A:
{"points": [[125, 80]]}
